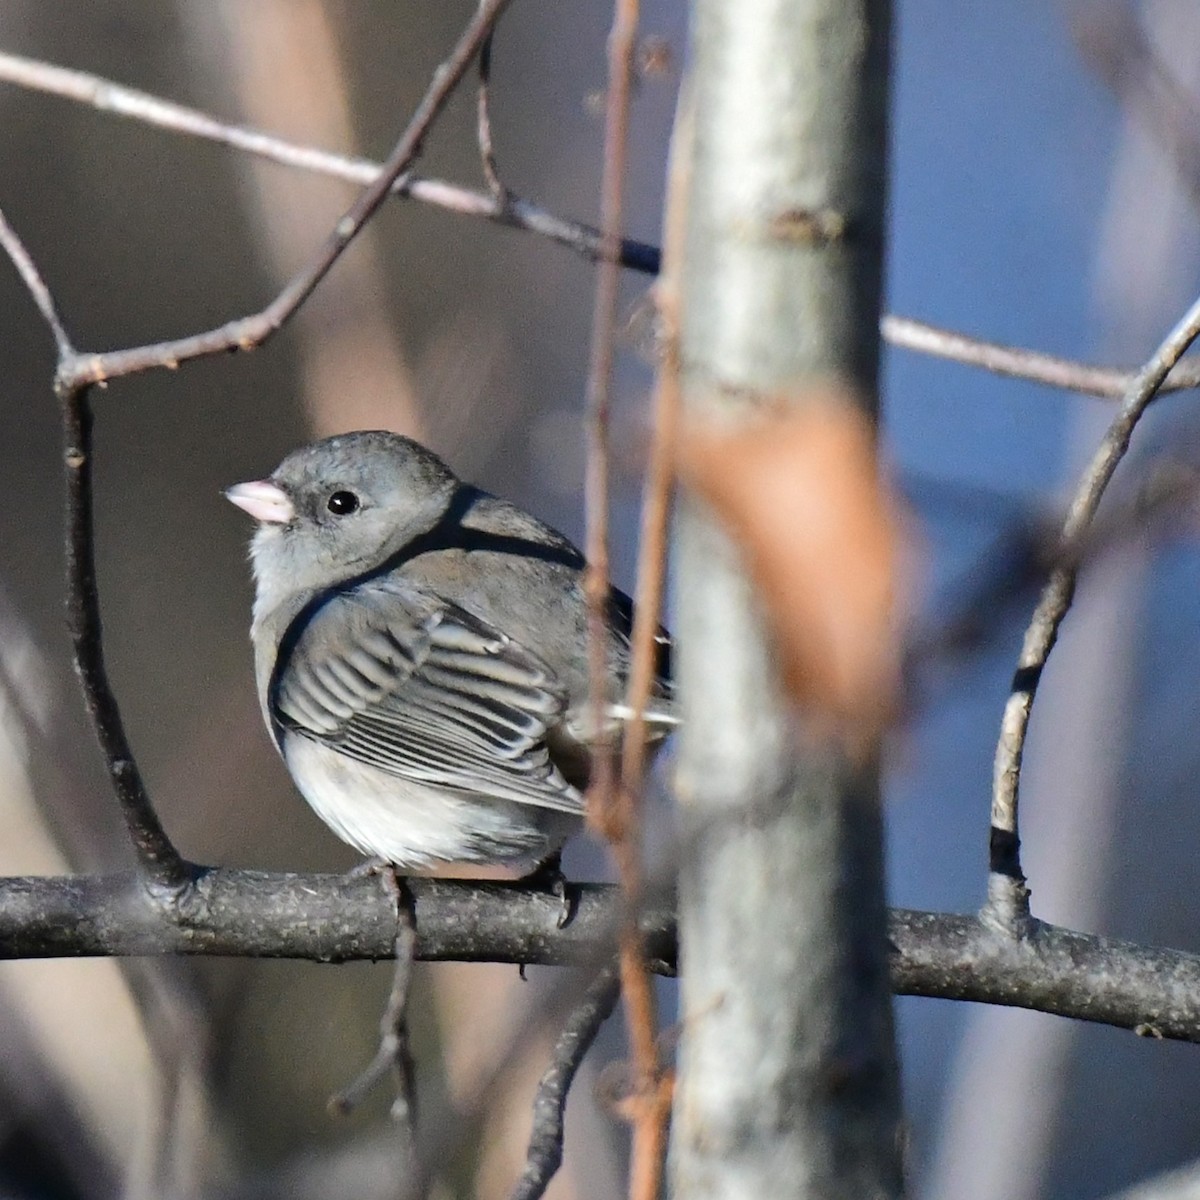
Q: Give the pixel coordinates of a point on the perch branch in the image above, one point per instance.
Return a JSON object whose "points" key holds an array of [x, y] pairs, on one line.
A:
{"points": [[338, 918], [1008, 897]]}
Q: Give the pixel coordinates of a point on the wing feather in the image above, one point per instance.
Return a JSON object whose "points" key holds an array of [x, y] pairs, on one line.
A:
{"points": [[418, 687]]}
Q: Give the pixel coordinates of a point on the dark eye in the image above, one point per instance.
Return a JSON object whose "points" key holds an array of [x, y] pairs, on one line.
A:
{"points": [[341, 504]]}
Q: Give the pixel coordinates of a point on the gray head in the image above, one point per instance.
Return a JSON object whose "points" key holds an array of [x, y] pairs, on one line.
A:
{"points": [[338, 508]]}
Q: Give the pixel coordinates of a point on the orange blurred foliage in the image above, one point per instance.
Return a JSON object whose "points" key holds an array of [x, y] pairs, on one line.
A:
{"points": [[801, 491]]}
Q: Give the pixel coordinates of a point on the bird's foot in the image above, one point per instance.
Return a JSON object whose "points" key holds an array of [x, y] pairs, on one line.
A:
{"points": [[370, 867], [548, 877], [387, 873]]}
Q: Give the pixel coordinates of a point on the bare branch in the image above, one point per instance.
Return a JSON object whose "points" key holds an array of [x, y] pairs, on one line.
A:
{"points": [[483, 125], [160, 862], [246, 333], [1018, 363], [106, 95], [1149, 991], [512, 211], [158, 859], [614, 810], [339, 918], [394, 1055], [545, 1152], [35, 285], [1008, 897]]}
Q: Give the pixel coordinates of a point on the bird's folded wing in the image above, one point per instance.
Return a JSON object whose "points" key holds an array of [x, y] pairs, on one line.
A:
{"points": [[415, 686]]}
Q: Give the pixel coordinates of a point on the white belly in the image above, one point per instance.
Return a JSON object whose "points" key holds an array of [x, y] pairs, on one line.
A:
{"points": [[412, 825]]}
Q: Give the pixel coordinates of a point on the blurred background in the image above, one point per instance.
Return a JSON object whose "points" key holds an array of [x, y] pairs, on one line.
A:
{"points": [[1044, 193]]}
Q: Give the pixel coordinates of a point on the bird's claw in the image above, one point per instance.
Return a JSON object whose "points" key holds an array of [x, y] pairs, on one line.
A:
{"points": [[548, 877]]}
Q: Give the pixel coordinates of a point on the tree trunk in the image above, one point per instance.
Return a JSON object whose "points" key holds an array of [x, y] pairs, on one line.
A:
{"points": [[788, 1083]]}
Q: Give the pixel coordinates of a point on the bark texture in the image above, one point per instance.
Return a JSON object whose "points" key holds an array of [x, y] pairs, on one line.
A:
{"points": [[788, 1082]]}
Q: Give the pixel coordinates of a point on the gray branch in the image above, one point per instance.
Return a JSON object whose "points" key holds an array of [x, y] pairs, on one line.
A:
{"points": [[338, 918]]}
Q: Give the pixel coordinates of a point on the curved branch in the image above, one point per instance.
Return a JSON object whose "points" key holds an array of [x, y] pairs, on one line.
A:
{"points": [[160, 863], [1008, 897]]}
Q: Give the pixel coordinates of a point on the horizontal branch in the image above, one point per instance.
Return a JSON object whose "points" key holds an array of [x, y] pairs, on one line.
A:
{"points": [[507, 208], [1016, 362], [340, 918], [325, 918], [1149, 989]]}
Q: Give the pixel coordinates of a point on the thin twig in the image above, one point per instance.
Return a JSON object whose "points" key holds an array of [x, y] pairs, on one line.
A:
{"points": [[35, 285], [512, 211], [161, 865], [246, 333], [1008, 897], [483, 125], [545, 1153], [1018, 363], [106, 95], [394, 1054], [614, 811], [650, 1101]]}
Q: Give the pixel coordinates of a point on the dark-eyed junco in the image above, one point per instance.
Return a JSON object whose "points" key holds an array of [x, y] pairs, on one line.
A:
{"points": [[421, 654]]}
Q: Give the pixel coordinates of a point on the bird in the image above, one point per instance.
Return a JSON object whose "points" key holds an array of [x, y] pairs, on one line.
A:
{"points": [[421, 657]]}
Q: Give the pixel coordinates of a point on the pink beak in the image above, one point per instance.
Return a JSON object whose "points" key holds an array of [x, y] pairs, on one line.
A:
{"points": [[263, 500]]}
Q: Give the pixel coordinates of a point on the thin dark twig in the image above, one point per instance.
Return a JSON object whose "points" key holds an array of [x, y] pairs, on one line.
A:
{"points": [[483, 124], [1008, 897], [159, 861], [1018, 363], [130, 103], [545, 1153], [246, 333], [394, 1055]]}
